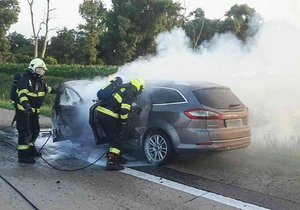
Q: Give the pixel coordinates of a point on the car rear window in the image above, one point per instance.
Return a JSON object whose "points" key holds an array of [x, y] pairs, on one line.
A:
{"points": [[218, 98]]}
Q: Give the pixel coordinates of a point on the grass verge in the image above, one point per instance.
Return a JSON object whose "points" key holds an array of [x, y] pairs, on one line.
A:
{"points": [[45, 110]]}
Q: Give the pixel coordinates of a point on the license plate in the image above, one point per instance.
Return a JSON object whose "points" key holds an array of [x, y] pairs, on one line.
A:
{"points": [[233, 123]]}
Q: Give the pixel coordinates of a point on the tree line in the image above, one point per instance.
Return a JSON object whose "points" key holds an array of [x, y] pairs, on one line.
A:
{"points": [[118, 35]]}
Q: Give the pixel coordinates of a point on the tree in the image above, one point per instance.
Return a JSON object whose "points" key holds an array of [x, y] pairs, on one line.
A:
{"points": [[64, 46], [237, 21], [238, 18], [20, 47], [94, 13], [19, 44], [132, 26], [9, 10], [158, 16], [227, 25], [199, 28], [36, 33], [194, 27], [46, 29]]}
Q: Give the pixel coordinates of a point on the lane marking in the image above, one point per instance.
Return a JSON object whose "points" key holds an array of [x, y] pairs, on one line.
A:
{"points": [[191, 190]]}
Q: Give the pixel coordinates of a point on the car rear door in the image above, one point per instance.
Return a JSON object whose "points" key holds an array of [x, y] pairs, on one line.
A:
{"points": [[232, 122], [66, 122]]}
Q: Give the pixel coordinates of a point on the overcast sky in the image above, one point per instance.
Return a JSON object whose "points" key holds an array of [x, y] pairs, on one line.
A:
{"points": [[66, 11]]}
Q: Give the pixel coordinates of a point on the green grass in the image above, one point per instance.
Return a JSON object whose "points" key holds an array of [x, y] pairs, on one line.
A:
{"points": [[6, 105], [45, 110]]}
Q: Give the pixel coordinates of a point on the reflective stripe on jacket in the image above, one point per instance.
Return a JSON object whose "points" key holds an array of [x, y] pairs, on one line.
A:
{"points": [[23, 147], [119, 105], [31, 91], [107, 112], [34, 110]]}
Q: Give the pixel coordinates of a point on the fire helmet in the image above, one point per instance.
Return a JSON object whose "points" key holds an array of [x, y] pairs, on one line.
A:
{"points": [[37, 63], [139, 83]]}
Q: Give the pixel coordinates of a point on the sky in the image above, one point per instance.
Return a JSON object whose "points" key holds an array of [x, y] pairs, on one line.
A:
{"points": [[66, 11]]}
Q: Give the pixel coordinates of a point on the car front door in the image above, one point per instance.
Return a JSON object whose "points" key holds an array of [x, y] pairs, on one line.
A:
{"points": [[65, 114]]}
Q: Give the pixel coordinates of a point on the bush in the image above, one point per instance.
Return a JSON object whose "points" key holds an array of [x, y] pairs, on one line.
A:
{"points": [[6, 81], [50, 60], [20, 58], [65, 71]]}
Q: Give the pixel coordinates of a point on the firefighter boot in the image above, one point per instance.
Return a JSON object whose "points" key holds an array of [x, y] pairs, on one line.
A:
{"points": [[33, 152], [24, 157], [120, 158], [112, 163]]}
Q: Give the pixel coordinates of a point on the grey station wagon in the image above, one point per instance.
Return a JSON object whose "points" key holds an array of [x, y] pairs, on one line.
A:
{"points": [[176, 117]]}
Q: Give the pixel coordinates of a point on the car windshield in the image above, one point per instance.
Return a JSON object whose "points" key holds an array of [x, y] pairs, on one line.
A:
{"points": [[218, 98]]}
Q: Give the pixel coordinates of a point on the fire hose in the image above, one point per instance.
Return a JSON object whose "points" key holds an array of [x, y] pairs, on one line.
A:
{"points": [[68, 170]]}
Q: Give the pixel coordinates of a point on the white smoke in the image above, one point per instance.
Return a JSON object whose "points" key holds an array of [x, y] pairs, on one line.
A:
{"points": [[264, 73]]}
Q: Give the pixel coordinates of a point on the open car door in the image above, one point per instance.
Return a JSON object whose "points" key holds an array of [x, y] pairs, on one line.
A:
{"points": [[66, 119], [98, 132]]}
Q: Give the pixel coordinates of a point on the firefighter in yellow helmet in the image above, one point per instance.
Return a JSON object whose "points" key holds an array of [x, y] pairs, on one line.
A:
{"points": [[113, 115], [30, 94]]}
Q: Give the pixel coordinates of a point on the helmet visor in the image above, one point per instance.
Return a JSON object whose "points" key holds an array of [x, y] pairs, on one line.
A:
{"points": [[40, 70]]}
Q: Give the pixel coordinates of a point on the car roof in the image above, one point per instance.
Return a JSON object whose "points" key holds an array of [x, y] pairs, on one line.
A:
{"points": [[179, 84], [193, 85]]}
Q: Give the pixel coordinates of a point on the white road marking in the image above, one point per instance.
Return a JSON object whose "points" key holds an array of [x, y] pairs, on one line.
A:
{"points": [[191, 190]]}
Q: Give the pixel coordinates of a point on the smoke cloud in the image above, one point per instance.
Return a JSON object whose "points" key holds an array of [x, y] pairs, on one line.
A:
{"points": [[264, 73]]}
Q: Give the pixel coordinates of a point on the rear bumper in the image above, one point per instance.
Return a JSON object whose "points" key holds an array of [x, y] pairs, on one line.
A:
{"points": [[215, 145]]}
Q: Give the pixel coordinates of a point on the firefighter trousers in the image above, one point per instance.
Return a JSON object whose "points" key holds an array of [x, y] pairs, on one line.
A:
{"points": [[28, 127], [112, 128]]}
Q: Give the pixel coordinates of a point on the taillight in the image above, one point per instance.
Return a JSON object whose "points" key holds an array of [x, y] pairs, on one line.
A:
{"points": [[202, 114]]}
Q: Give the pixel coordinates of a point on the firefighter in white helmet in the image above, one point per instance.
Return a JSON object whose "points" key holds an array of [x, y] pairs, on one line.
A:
{"points": [[31, 91]]}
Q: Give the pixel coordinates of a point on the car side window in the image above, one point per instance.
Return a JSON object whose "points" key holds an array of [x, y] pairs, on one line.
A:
{"points": [[166, 96], [69, 98]]}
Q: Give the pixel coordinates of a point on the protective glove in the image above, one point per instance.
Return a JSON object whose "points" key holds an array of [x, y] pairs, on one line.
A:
{"points": [[136, 110], [28, 110]]}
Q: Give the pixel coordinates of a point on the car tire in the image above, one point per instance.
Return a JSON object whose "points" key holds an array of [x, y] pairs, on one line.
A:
{"points": [[158, 148]]}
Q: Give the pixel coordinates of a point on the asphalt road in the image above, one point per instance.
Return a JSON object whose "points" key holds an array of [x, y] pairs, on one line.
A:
{"points": [[263, 176]]}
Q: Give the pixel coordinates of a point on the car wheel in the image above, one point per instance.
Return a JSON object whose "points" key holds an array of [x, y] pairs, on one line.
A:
{"points": [[158, 148]]}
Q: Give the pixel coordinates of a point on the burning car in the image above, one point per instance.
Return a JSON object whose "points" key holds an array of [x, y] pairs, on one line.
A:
{"points": [[176, 117]]}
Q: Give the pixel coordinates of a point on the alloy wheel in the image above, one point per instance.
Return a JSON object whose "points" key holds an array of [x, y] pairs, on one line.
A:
{"points": [[156, 148]]}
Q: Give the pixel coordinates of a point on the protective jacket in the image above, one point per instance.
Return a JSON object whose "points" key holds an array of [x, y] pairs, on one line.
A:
{"points": [[31, 91], [119, 105]]}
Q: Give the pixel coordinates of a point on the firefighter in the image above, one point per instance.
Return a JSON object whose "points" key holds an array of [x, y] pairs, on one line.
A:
{"points": [[113, 115], [103, 95], [31, 91]]}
